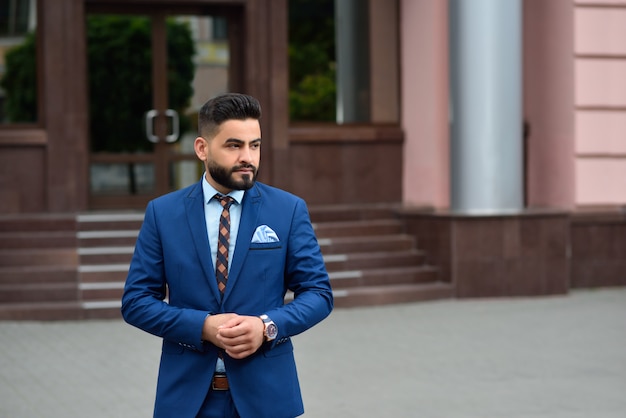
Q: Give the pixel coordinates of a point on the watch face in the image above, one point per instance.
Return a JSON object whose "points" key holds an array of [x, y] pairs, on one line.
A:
{"points": [[272, 331]]}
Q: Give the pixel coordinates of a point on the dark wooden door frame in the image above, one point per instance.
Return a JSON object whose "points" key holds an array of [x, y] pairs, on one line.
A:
{"points": [[161, 157], [259, 63], [161, 97]]}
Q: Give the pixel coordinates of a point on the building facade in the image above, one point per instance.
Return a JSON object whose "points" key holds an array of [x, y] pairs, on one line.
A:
{"points": [[496, 129]]}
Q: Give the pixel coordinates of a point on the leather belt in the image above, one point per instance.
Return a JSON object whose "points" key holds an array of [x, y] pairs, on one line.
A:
{"points": [[219, 382]]}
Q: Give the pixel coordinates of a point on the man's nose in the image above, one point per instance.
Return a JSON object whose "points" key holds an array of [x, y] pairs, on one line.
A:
{"points": [[245, 155]]}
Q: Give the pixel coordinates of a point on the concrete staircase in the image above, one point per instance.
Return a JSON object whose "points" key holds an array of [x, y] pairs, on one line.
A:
{"points": [[75, 267], [105, 247], [38, 267], [370, 260]]}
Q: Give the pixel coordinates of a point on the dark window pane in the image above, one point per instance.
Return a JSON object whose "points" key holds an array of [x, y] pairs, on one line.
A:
{"points": [[18, 68], [14, 17]]}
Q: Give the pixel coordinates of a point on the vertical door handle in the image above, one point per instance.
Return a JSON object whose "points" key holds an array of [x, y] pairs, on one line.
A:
{"points": [[173, 136], [150, 115]]}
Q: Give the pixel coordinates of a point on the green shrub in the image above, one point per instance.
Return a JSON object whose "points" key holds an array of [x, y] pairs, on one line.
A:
{"points": [[312, 85], [20, 82]]}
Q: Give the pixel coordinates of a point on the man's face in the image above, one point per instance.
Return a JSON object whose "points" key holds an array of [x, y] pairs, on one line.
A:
{"points": [[232, 156]]}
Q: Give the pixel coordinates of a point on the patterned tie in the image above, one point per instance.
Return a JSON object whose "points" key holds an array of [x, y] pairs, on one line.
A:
{"points": [[221, 263]]}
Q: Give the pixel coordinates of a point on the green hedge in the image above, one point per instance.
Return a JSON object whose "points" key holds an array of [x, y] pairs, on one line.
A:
{"points": [[20, 82], [312, 85]]}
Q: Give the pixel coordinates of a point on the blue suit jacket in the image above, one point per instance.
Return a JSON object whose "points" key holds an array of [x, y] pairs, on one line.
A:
{"points": [[171, 287]]}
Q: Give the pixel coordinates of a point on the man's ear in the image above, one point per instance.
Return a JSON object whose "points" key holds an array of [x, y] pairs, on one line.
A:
{"points": [[200, 146]]}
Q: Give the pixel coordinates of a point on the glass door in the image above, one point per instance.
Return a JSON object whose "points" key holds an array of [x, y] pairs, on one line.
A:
{"points": [[148, 76]]}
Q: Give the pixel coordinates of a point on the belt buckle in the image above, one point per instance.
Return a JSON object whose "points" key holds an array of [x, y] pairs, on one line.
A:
{"points": [[219, 382]]}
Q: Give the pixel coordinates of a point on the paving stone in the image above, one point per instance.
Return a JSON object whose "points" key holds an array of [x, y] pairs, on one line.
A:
{"points": [[552, 357]]}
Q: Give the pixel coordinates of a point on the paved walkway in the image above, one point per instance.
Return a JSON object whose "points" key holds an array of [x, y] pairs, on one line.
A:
{"points": [[557, 357]]}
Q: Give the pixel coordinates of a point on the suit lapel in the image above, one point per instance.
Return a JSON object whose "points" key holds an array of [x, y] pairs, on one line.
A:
{"points": [[249, 214], [194, 207]]}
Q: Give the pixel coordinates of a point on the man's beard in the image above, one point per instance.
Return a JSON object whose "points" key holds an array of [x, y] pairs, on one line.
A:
{"points": [[224, 176]]}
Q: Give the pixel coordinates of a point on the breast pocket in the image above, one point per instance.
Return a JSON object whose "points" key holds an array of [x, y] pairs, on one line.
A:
{"points": [[266, 255], [264, 271], [259, 246]]}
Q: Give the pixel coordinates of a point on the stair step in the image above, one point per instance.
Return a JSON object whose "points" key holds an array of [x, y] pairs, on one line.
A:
{"points": [[385, 276], [352, 212], [357, 228], [39, 257], [103, 273], [392, 294], [111, 238], [37, 239], [98, 291], [360, 244], [110, 221], [37, 274], [37, 222], [106, 255], [41, 311], [38, 292], [102, 309], [352, 261], [60, 311]]}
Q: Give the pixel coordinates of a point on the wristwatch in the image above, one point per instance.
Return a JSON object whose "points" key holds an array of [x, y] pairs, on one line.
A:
{"points": [[271, 330]]}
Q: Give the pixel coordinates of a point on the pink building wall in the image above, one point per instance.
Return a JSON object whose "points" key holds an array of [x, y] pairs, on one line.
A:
{"points": [[574, 102], [600, 125], [548, 79], [424, 90]]}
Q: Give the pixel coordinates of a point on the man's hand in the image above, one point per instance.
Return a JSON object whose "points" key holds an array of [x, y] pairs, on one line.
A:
{"points": [[240, 336], [211, 325]]}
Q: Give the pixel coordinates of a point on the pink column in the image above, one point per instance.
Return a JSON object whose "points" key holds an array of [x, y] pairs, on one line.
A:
{"points": [[549, 103], [424, 81]]}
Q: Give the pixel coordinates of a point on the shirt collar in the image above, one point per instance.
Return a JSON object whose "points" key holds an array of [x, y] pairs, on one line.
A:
{"points": [[209, 192]]}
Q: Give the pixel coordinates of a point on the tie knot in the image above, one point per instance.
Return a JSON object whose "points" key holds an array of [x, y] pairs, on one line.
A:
{"points": [[225, 201]]}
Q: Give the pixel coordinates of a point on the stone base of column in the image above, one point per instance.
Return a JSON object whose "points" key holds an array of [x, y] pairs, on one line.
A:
{"points": [[500, 255], [598, 242]]}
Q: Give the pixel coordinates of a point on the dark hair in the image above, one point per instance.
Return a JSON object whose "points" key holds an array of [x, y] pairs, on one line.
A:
{"points": [[225, 107]]}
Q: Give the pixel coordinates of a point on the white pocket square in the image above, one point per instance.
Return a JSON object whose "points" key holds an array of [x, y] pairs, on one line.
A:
{"points": [[264, 233]]}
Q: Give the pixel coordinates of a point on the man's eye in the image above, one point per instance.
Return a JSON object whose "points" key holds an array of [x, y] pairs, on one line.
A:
{"points": [[255, 146]]}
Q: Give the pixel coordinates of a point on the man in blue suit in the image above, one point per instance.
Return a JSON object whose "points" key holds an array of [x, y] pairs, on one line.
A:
{"points": [[227, 349]]}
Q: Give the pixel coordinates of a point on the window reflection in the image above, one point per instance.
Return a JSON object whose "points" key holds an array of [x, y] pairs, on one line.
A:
{"points": [[343, 61], [18, 94]]}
